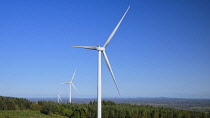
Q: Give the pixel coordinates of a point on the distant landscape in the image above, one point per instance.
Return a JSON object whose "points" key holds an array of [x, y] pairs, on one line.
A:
{"points": [[175, 103]]}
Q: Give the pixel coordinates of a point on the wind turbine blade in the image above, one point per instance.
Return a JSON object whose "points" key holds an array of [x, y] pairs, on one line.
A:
{"points": [[60, 98], [75, 87], [87, 47], [110, 69], [115, 29], [60, 93], [65, 83], [73, 75]]}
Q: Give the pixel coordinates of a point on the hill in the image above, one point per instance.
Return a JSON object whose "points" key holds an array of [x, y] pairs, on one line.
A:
{"points": [[109, 109]]}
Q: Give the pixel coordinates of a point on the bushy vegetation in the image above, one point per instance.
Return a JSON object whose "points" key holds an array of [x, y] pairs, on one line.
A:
{"points": [[109, 109], [10, 103], [112, 110]]}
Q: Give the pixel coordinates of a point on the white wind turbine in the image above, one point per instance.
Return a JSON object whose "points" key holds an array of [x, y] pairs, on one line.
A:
{"points": [[102, 49], [59, 97], [71, 84]]}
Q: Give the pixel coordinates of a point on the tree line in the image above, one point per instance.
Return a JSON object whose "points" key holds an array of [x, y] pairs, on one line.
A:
{"points": [[11, 103], [109, 109]]}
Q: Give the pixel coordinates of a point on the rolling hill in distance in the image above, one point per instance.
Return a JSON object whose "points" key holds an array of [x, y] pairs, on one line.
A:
{"points": [[160, 107], [175, 103]]}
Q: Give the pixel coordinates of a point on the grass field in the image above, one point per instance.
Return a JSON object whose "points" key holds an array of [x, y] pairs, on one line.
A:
{"points": [[26, 114]]}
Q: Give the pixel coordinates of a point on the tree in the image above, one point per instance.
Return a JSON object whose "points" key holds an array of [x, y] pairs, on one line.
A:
{"points": [[3, 105], [68, 112], [35, 107], [11, 106], [49, 107]]}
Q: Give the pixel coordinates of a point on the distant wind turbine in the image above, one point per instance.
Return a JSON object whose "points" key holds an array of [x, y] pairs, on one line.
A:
{"points": [[102, 49], [59, 97], [71, 84]]}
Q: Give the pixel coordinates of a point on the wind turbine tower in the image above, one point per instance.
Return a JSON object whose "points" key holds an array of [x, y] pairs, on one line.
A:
{"points": [[102, 50], [71, 84], [59, 97]]}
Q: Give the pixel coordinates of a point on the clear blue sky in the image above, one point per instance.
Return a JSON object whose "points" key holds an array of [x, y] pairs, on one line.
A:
{"points": [[161, 48]]}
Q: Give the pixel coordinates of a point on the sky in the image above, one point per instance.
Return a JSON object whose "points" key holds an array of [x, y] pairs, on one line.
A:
{"points": [[161, 48]]}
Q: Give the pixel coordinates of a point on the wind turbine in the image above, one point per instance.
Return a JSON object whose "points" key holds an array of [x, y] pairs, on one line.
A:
{"points": [[59, 97], [71, 84], [102, 49]]}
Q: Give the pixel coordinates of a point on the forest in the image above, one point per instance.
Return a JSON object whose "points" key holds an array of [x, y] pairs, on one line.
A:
{"points": [[109, 109]]}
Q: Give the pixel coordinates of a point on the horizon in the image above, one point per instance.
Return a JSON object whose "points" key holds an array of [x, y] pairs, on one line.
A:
{"points": [[161, 48], [66, 97]]}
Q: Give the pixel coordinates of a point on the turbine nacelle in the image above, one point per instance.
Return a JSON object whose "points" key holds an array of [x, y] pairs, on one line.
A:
{"points": [[100, 48]]}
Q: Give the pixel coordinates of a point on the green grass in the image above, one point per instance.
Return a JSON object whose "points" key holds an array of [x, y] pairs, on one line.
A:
{"points": [[26, 114]]}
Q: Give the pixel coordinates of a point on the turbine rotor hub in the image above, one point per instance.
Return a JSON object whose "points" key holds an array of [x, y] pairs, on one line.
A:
{"points": [[100, 48]]}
